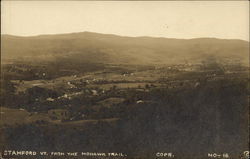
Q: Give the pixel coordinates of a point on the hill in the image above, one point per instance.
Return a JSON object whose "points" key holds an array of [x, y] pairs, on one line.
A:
{"points": [[107, 48]]}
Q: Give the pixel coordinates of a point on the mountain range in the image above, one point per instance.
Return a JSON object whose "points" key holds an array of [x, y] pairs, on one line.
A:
{"points": [[113, 49]]}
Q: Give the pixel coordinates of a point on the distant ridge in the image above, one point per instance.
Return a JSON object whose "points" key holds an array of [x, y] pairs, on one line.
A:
{"points": [[106, 34], [109, 48]]}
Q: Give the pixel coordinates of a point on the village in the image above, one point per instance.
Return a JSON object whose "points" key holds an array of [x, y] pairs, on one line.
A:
{"points": [[118, 103], [99, 94]]}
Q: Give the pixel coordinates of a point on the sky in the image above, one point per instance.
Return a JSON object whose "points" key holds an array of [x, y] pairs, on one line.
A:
{"points": [[171, 19]]}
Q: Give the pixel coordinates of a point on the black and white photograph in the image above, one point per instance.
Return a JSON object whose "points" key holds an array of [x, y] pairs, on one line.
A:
{"points": [[124, 79]]}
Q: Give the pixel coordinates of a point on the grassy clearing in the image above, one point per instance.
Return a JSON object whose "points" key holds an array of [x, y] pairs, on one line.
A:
{"points": [[20, 116]]}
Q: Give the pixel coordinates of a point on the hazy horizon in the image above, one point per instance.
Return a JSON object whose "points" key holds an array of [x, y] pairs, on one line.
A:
{"points": [[51, 34], [168, 19]]}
